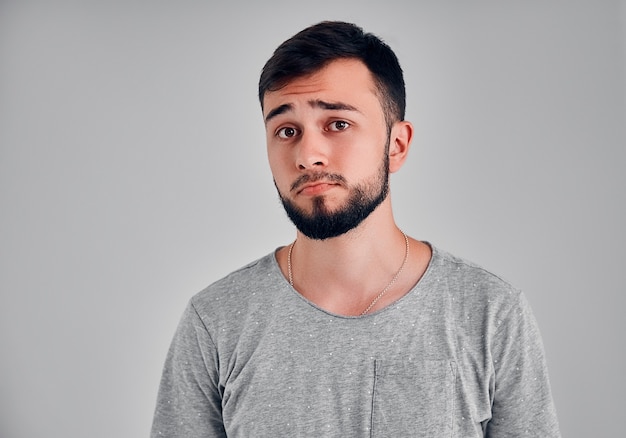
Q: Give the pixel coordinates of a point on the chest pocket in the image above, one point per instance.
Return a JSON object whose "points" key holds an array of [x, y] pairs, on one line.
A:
{"points": [[413, 398]]}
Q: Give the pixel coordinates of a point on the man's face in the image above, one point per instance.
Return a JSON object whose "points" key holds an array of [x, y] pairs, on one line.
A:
{"points": [[327, 143]]}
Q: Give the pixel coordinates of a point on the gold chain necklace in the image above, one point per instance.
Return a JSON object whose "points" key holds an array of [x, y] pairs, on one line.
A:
{"points": [[380, 295]]}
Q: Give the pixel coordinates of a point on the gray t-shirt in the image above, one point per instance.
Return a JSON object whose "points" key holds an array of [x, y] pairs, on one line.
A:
{"points": [[460, 355]]}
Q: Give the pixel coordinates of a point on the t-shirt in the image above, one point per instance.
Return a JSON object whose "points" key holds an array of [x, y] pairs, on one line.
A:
{"points": [[460, 355]]}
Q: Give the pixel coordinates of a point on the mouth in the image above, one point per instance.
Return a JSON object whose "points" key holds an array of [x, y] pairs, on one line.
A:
{"points": [[315, 188], [316, 183]]}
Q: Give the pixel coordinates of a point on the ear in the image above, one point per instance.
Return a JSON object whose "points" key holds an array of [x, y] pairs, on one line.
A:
{"points": [[399, 143]]}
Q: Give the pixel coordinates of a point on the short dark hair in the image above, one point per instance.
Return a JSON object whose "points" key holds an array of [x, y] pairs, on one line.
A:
{"points": [[314, 47]]}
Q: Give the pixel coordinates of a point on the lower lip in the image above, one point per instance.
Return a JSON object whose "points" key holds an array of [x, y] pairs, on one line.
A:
{"points": [[316, 189]]}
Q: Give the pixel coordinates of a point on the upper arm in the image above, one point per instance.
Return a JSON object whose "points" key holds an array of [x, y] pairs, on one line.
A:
{"points": [[189, 400]]}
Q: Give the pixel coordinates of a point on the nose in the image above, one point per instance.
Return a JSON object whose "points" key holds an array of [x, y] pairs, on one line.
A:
{"points": [[311, 151]]}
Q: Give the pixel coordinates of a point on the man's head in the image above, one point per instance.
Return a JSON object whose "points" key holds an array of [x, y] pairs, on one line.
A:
{"points": [[313, 48], [334, 126]]}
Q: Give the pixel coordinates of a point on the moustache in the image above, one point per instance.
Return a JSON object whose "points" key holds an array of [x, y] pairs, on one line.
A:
{"points": [[317, 176]]}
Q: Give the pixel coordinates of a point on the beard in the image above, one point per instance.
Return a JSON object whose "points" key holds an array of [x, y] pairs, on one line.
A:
{"points": [[363, 199]]}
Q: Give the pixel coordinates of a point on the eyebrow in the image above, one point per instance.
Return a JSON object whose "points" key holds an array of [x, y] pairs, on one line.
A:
{"points": [[278, 111], [331, 106], [337, 106]]}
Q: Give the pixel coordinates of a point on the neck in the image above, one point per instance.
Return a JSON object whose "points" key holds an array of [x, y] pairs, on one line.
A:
{"points": [[344, 274], [376, 237]]}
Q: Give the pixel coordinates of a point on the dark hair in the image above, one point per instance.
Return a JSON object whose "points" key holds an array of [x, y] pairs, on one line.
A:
{"points": [[314, 47]]}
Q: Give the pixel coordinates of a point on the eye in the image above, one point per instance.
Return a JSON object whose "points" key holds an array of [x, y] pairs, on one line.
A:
{"points": [[287, 132], [338, 125]]}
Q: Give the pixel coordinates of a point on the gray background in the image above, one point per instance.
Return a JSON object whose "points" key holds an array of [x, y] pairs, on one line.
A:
{"points": [[133, 173]]}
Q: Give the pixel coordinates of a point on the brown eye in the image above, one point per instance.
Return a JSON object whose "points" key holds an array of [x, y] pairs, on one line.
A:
{"points": [[287, 132], [338, 125]]}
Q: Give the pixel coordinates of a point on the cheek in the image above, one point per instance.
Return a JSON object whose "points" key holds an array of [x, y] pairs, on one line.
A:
{"points": [[360, 163], [279, 168]]}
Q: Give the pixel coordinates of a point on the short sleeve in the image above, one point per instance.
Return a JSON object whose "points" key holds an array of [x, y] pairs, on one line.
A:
{"points": [[522, 400], [189, 401]]}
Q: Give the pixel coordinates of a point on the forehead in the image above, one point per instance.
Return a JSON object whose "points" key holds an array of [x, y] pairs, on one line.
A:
{"points": [[346, 80]]}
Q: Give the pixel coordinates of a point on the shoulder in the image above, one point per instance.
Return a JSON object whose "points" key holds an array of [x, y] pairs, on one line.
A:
{"points": [[478, 295], [243, 281], [249, 289], [462, 273]]}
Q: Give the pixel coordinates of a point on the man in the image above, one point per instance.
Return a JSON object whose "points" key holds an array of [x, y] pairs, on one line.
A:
{"points": [[354, 329]]}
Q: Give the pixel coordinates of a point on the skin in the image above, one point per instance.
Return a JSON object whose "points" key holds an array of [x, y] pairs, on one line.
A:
{"points": [[332, 121]]}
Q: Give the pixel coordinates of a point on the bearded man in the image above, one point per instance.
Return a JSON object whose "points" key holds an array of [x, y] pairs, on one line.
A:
{"points": [[354, 328]]}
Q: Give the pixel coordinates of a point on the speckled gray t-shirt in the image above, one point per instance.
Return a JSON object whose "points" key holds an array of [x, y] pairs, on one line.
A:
{"points": [[459, 356]]}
